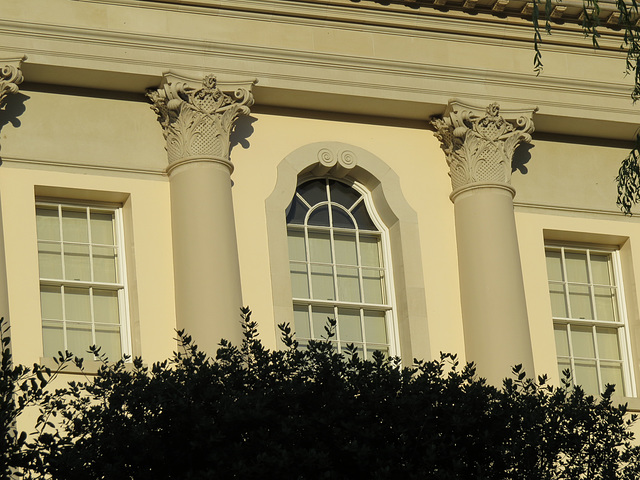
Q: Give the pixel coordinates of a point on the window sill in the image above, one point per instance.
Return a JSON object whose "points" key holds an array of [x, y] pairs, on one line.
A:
{"points": [[91, 367]]}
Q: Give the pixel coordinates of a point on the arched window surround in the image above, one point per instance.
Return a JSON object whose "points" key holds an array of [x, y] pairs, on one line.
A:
{"points": [[354, 165]]}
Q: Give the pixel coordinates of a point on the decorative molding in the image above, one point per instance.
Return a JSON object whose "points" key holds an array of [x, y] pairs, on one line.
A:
{"points": [[479, 145], [197, 117], [10, 77], [337, 164]]}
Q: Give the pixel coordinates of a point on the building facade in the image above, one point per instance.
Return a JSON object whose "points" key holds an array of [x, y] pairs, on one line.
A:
{"points": [[401, 170]]}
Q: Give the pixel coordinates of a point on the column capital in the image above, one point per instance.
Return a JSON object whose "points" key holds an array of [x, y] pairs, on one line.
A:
{"points": [[197, 117], [479, 142], [10, 77]]}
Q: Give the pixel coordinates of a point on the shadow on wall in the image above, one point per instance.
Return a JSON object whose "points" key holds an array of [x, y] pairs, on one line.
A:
{"points": [[521, 157], [242, 131], [13, 107]]}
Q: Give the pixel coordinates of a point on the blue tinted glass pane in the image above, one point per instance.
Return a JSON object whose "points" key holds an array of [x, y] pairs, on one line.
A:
{"points": [[320, 217], [296, 212], [343, 194], [314, 191], [362, 217], [341, 218]]}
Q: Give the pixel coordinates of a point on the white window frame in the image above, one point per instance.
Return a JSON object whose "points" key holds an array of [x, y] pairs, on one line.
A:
{"points": [[621, 325], [121, 287], [389, 307]]}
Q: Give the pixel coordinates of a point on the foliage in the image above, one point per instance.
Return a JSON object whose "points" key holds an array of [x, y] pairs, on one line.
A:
{"points": [[20, 388], [314, 413], [628, 180]]}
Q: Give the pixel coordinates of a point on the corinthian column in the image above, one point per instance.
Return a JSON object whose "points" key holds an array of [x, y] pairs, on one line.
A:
{"points": [[10, 78], [197, 121], [479, 147]]}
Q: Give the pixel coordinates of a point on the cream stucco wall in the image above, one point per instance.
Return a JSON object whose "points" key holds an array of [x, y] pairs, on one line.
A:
{"points": [[410, 150], [80, 127]]}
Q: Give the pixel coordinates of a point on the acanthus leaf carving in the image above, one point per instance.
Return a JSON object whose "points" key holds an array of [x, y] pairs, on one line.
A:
{"points": [[10, 78], [198, 121], [479, 146]]}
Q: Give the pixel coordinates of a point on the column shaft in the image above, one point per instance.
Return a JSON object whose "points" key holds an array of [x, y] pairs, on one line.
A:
{"points": [[205, 253], [496, 327]]}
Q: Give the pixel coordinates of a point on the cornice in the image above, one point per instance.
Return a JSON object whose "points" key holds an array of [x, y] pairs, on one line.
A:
{"points": [[298, 78], [397, 13], [374, 18], [293, 57]]}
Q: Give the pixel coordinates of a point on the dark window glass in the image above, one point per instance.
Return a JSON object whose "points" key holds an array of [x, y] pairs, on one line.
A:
{"points": [[296, 212], [319, 217], [314, 191], [343, 194], [362, 218], [341, 218]]}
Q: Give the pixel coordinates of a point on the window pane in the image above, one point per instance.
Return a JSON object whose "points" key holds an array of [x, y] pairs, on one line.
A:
{"points": [[372, 286], [75, 226], [104, 265], [554, 265], [587, 376], [77, 305], [299, 281], [343, 194], [362, 218], [582, 342], [370, 251], [612, 374], [601, 269], [105, 306], [108, 339], [608, 346], [345, 246], [50, 260], [319, 247], [51, 302], [102, 228], [576, 264], [296, 211], [580, 301], [314, 191], [79, 339], [348, 284], [349, 325], [375, 325], [340, 218], [47, 223], [52, 338], [606, 303], [322, 282], [319, 319], [297, 250], [319, 217], [301, 321], [558, 300], [562, 340], [76, 262]]}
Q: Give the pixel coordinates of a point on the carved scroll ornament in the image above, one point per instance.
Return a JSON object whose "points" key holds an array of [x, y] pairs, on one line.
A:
{"points": [[198, 121], [479, 146], [10, 78]]}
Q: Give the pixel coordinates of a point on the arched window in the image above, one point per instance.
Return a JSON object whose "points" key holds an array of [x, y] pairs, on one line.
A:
{"points": [[339, 268]]}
